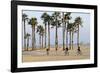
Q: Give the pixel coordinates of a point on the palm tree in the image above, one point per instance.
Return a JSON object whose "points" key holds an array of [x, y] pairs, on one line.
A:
{"points": [[72, 36], [66, 18], [49, 19], [33, 22], [78, 22], [27, 37], [63, 30], [56, 22], [73, 31], [40, 31], [45, 20], [49, 34], [69, 28], [24, 18]]}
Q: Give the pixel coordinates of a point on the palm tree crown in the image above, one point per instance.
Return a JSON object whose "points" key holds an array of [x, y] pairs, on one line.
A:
{"points": [[33, 21], [67, 16], [40, 29], [78, 21], [24, 17], [56, 19]]}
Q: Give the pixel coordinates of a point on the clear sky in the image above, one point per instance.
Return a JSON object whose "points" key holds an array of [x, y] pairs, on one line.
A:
{"points": [[84, 31]]}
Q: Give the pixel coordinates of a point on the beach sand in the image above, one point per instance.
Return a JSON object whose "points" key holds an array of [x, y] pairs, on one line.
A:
{"points": [[41, 55]]}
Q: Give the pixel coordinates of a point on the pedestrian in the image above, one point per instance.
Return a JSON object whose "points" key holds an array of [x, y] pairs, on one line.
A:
{"points": [[79, 52], [47, 51], [66, 51]]}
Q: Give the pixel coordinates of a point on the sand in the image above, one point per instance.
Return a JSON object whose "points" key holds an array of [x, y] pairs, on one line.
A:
{"points": [[41, 54]]}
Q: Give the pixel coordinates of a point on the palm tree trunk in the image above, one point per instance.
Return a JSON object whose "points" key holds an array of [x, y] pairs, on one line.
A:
{"points": [[67, 44], [45, 35], [48, 36], [63, 37], [42, 41], [56, 40], [78, 37], [27, 43], [67, 39], [63, 33], [24, 36], [72, 39], [33, 37]]}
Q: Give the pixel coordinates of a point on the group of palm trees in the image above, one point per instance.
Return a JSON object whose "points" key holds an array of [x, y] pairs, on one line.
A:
{"points": [[57, 20]]}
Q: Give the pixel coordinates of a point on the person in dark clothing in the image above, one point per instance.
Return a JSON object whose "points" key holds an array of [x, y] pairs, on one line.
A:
{"points": [[79, 51], [56, 51], [66, 51], [47, 51]]}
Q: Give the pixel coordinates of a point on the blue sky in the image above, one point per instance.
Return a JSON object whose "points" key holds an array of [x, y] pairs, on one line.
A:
{"points": [[84, 31]]}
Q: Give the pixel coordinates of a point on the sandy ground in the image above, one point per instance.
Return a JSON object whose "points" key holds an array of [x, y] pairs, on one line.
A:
{"points": [[41, 55]]}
